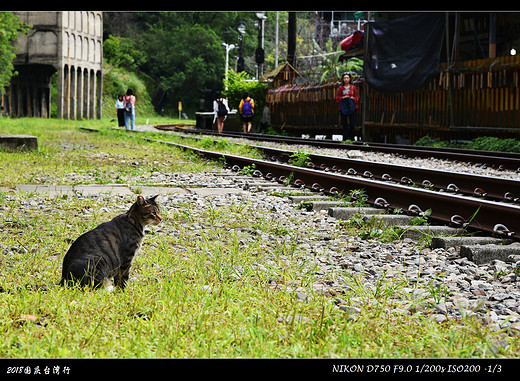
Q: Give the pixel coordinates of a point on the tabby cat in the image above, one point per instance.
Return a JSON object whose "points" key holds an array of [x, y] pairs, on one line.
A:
{"points": [[107, 251]]}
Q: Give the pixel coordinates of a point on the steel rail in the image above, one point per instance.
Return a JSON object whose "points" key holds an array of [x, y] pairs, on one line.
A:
{"points": [[499, 160], [450, 209], [492, 188]]}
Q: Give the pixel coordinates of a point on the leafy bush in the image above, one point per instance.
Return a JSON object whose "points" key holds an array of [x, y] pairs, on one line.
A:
{"points": [[489, 143], [117, 81], [237, 83], [483, 143], [122, 52]]}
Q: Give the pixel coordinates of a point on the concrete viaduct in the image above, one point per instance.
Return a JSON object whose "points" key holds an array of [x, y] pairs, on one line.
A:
{"points": [[69, 43]]}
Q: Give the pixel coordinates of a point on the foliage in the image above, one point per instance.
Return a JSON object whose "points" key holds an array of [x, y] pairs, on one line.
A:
{"points": [[116, 81], [187, 61], [182, 51], [122, 52], [333, 68], [237, 83], [300, 158], [482, 143], [10, 27], [488, 143]]}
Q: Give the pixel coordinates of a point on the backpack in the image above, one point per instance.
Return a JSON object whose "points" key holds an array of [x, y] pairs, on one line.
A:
{"points": [[246, 108], [128, 105], [222, 110]]}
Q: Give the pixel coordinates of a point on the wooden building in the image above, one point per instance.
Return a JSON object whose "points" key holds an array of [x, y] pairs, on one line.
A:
{"points": [[475, 90]]}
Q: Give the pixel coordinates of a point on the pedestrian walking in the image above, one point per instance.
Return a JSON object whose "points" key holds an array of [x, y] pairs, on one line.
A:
{"points": [[347, 97], [221, 110], [129, 109], [247, 110]]}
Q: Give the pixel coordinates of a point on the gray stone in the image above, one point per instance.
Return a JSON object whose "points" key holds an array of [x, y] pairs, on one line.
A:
{"points": [[424, 231], [486, 253], [298, 199], [388, 220], [445, 242], [346, 213], [19, 142], [349, 309], [324, 205]]}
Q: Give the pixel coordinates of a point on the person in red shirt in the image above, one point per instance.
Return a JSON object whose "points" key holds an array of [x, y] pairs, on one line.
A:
{"points": [[347, 98]]}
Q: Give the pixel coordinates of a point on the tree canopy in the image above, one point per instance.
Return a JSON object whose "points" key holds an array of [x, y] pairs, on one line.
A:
{"points": [[181, 51], [10, 26]]}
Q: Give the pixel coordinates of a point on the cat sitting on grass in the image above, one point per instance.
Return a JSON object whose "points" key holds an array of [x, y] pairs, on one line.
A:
{"points": [[106, 251]]}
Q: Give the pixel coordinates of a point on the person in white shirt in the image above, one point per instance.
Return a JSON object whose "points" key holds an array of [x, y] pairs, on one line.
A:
{"points": [[221, 110]]}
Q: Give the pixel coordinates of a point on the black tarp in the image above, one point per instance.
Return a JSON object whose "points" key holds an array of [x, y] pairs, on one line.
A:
{"points": [[402, 54]]}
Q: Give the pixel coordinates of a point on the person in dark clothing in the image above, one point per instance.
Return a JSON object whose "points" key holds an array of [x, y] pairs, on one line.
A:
{"points": [[120, 111], [347, 97]]}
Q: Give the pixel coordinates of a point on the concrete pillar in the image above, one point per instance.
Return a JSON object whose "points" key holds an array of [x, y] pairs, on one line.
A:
{"points": [[86, 98], [99, 94], [79, 92], [92, 95], [72, 94]]}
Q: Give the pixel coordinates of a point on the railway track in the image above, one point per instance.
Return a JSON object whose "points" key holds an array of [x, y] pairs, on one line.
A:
{"points": [[479, 212], [498, 160]]}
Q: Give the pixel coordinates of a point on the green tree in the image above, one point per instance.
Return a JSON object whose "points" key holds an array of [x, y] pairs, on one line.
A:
{"points": [[10, 27], [122, 52], [332, 67], [188, 61]]}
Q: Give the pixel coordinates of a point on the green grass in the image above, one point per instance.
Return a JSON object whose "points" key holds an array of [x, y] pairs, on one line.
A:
{"points": [[107, 156], [213, 282]]}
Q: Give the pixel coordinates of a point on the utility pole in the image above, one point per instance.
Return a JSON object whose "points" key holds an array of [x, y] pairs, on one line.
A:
{"points": [[291, 43], [276, 41]]}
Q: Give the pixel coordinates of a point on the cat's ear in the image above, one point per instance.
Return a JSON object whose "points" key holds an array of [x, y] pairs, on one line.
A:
{"points": [[152, 199], [140, 200]]}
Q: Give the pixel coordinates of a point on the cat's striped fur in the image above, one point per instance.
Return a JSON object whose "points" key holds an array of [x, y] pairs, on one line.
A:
{"points": [[107, 251]]}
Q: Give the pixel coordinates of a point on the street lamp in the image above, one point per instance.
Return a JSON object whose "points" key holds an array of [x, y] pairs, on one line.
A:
{"points": [[228, 48], [241, 27], [259, 55]]}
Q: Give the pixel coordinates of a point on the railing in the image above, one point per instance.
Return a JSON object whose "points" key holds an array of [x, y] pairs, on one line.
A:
{"points": [[304, 105], [481, 93]]}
